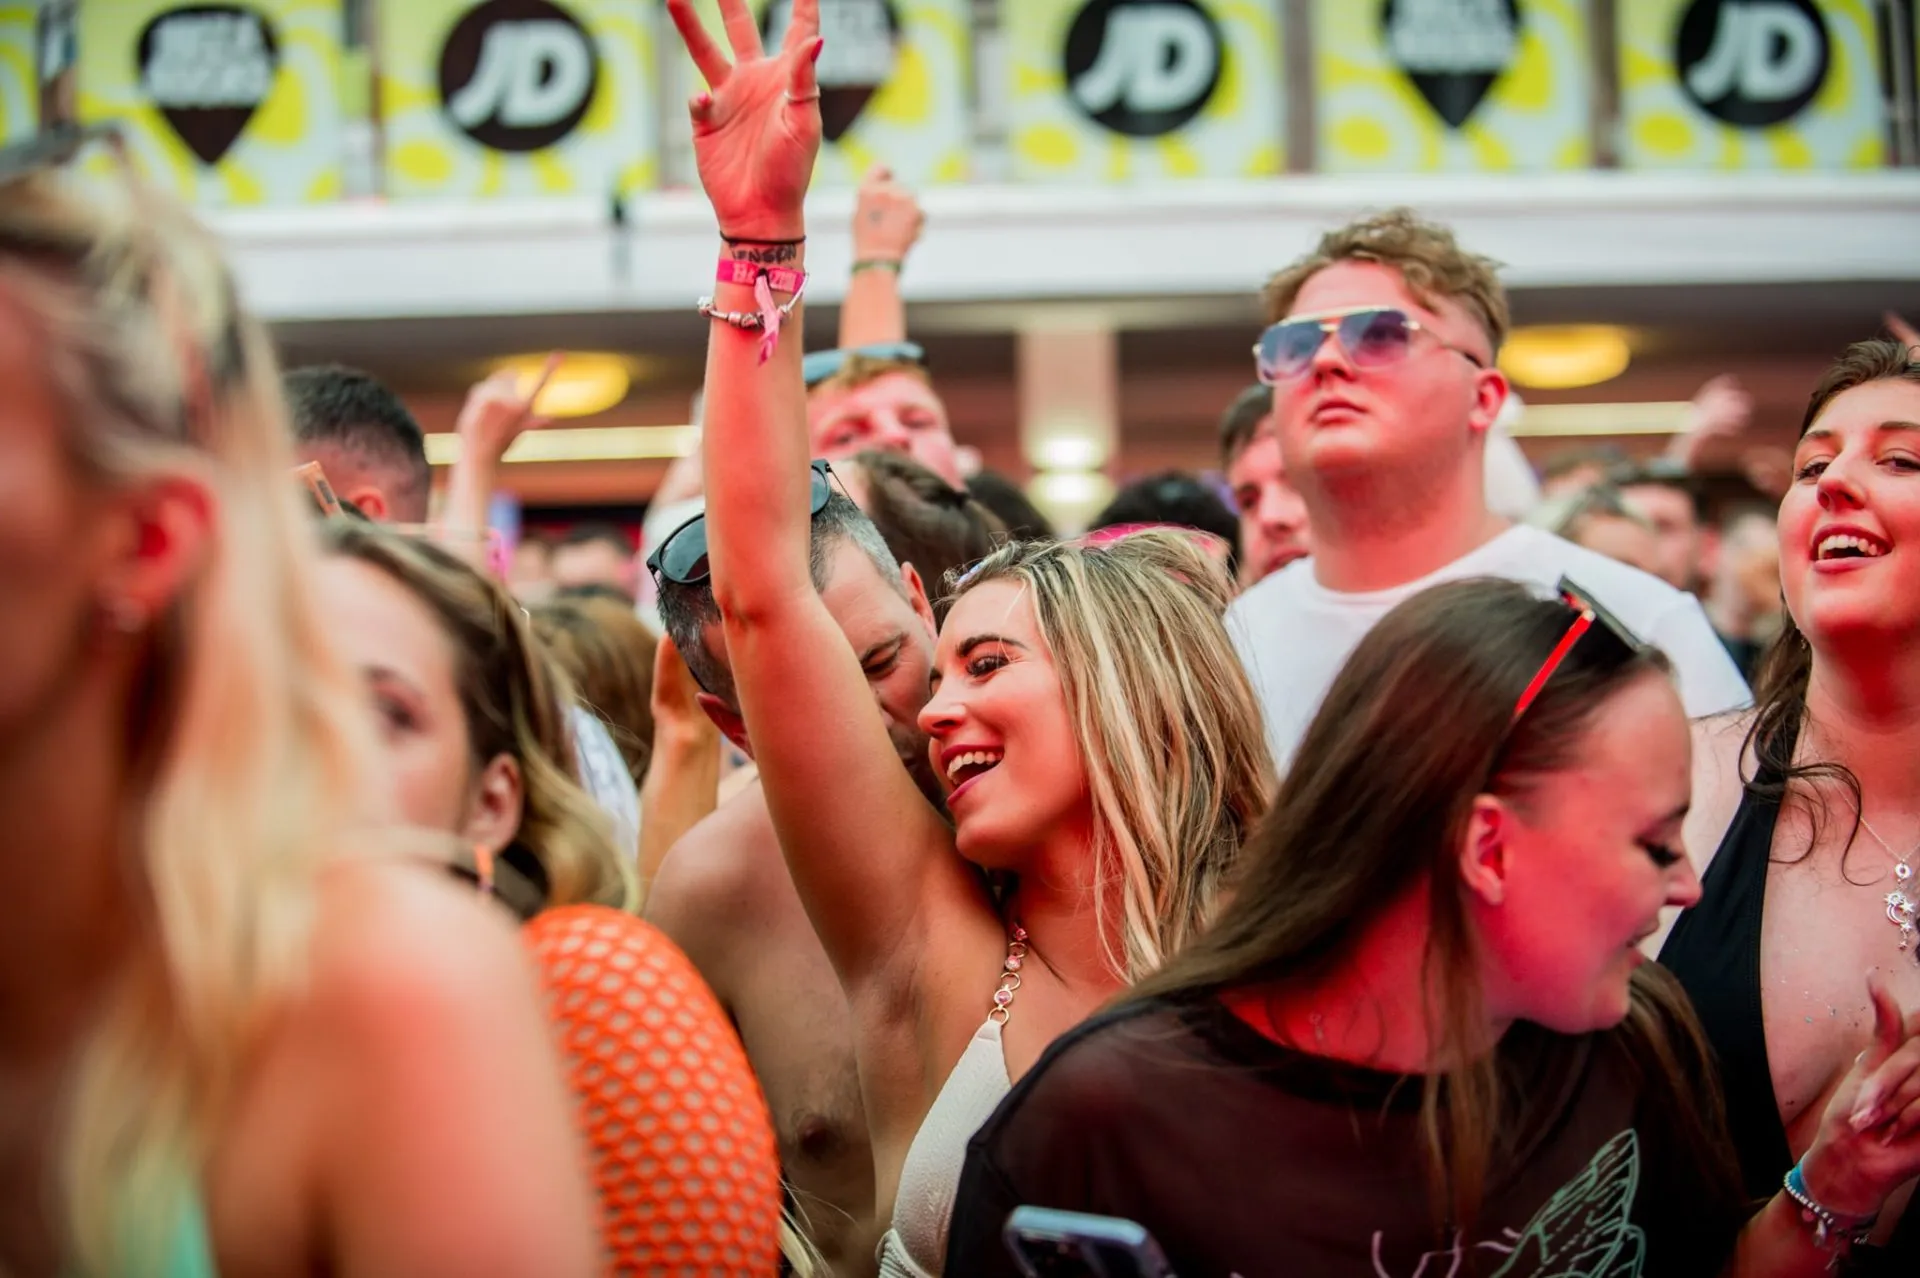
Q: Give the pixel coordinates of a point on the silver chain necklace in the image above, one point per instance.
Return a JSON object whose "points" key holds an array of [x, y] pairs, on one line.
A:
{"points": [[1903, 907]]}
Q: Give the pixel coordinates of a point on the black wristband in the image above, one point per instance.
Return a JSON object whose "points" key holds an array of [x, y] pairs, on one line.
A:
{"points": [[731, 239]]}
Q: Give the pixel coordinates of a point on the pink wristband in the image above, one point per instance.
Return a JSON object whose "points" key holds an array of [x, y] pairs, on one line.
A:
{"points": [[785, 279]]}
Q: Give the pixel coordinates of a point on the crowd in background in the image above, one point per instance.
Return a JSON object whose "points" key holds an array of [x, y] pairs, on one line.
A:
{"points": [[1276, 869]]}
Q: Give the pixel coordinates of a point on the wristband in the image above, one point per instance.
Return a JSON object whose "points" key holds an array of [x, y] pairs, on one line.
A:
{"points": [[877, 264], [782, 278], [1831, 1230], [767, 319], [734, 239]]}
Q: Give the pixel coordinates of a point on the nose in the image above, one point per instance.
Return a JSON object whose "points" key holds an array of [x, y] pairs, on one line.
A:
{"points": [[1683, 884], [1330, 357], [1836, 488], [1281, 509], [890, 433], [941, 716]]}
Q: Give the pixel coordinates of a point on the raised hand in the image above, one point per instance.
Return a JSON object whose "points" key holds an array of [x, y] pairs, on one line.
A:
{"points": [[1869, 1140], [1903, 332], [496, 412], [886, 220], [756, 130]]}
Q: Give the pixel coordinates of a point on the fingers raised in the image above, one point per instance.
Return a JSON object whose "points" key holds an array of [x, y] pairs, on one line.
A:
{"points": [[743, 33], [802, 87], [706, 55], [803, 23], [547, 371]]}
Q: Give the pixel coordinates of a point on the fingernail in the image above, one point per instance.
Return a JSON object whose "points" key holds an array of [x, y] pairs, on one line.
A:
{"points": [[1863, 1119], [818, 44]]}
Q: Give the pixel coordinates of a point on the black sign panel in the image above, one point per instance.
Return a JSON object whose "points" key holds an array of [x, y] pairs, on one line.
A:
{"points": [[1452, 50], [518, 75], [1143, 68], [207, 68], [861, 51], [1752, 63]]}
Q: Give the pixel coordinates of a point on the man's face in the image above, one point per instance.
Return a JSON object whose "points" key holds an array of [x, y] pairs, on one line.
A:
{"points": [[595, 563], [1417, 417], [1273, 518], [890, 627], [1676, 529], [894, 413]]}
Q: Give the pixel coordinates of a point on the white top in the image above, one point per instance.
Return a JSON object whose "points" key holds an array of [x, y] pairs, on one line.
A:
{"points": [[916, 1246], [1293, 634]]}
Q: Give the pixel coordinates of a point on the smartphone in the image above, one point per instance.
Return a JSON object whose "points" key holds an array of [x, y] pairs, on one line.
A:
{"points": [[1071, 1244]]}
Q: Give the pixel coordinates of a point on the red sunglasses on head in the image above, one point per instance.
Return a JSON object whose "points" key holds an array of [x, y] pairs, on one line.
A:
{"points": [[1587, 614]]}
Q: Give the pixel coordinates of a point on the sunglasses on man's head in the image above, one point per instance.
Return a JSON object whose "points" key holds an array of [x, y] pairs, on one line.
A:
{"points": [[682, 557], [1371, 336], [823, 365], [1587, 614]]}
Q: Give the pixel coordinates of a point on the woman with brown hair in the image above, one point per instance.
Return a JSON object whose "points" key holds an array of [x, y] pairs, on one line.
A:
{"points": [[1419, 1040], [1806, 820]]}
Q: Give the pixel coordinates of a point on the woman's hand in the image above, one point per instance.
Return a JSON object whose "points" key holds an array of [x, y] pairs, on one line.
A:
{"points": [[756, 130], [497, 412], [1869, 1141]]}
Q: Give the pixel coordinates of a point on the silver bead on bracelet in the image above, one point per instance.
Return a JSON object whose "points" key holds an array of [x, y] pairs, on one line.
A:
{"points": [[752, 320], [1832, 1231]]}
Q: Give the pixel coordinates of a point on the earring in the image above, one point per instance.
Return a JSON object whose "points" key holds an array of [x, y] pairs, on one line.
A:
{"points": [[483, 866], [123, 615]]}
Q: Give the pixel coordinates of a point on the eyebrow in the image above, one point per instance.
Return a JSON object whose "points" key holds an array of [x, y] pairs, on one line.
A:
{"points": [[1892, 424], [979, 641]]}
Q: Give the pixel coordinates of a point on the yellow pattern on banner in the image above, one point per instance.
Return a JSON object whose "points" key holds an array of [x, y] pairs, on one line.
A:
{"points": [[429, 155], [19, 76], [1237, 133], [917, 123], [287, 151], [1374, 117], [1843, 127]]}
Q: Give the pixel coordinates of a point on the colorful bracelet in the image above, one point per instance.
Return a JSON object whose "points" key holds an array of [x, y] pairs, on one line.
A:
{"points": [[1831, 1230], [768, 318], [782, 279], [877, 264]]}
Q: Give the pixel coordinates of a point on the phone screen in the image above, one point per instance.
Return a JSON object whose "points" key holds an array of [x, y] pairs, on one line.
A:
{"points": [[1065, 1244], [1081, 1258]]}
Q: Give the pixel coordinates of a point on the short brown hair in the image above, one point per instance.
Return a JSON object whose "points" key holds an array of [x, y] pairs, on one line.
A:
{"points": [[1241, 422], [941, 530], [608, 653], [1427, 257]]}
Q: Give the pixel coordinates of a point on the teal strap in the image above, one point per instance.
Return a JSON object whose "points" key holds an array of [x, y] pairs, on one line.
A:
{"points": [[191, 1252]]}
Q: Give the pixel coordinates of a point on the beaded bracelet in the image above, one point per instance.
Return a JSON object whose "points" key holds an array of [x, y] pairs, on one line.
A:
{"points": [[1831, 1231]]}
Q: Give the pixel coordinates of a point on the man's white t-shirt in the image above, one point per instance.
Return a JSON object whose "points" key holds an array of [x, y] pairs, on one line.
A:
{"points": [[1293, 634]]}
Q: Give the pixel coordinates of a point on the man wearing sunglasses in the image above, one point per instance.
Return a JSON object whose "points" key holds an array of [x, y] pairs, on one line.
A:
{"points": [[723, 893], [1381, 358]]}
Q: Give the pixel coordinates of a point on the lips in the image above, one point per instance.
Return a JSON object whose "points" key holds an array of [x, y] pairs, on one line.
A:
{"points": [[1847, 541], [1333, 406], [963, 765]]}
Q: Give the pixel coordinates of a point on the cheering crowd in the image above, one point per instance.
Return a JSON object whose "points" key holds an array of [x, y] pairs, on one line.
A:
{"points": [[1396, 872]]}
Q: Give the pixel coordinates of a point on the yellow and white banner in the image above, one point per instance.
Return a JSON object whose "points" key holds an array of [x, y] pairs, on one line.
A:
{"points": [[1144, 90], [1750, 84], [1424, 86], [893, 85], [19, 71], [228, 104], [516, 98]]}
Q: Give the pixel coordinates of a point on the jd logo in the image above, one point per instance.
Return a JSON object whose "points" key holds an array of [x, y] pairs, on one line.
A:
{"points": [[1753, 63], [862, 45], [1143, 67], [518, 75], [1452, 50], [208, 68]]}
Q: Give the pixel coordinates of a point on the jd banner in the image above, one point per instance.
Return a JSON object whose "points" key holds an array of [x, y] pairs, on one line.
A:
{"points": [[893, 85], [1145, 90], [1750, 84], [228, 103], [517, 98], [1423, 86]]}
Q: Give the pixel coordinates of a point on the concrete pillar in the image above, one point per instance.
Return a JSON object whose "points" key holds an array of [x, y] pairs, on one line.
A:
{"points": [[1069, 371]]}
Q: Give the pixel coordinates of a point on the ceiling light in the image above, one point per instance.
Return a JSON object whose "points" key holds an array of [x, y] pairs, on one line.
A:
{"points": [[1563, 421], [1561, 358], [1068, 452], [585, 383]]}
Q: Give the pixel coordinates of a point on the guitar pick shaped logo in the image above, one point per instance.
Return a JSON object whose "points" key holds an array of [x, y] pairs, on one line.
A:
{"points": [[1143, 68], [862, 49], [1452, 50], [207, 68], [518, 75], [1753, 63]]}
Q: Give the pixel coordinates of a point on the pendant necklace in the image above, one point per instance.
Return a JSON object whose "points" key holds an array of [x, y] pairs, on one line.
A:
{"points": [[1903, 905]]}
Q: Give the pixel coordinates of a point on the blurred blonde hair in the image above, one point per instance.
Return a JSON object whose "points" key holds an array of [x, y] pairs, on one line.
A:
{"points": [[514, 697], [1176, 757], [249, 733]]}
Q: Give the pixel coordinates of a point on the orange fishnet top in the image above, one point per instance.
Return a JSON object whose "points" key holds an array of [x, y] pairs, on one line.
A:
{"points": [[681, 1145]]}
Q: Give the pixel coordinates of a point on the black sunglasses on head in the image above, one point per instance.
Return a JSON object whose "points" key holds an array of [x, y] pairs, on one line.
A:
{"points": [[682, 557]]}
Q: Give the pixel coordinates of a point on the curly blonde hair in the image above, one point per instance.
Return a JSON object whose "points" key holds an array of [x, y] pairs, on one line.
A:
{"points": [[1425, 253]]}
